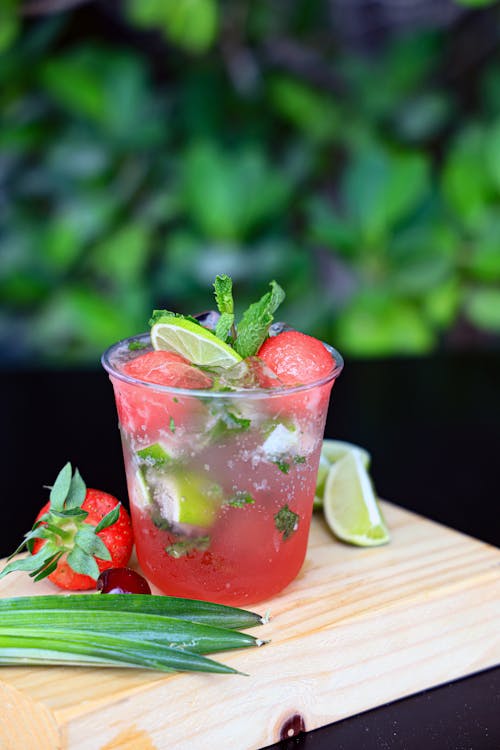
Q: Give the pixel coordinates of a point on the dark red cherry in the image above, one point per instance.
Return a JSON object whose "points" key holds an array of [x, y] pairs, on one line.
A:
{"points": [[122, 581]]}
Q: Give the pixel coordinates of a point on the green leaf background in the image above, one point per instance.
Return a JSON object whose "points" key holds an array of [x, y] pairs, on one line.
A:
{"points": [[148, 146]]}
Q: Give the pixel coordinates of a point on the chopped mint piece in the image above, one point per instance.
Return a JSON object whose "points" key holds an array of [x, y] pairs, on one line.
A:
{"points": [[227, 423], [184, 546], [286, 521], [240, 499], [157, 315], [254, 325], [283, 466], [175, 400], [224, 329], [172, 424], [299, 459], [154, 455], [135, 346]]}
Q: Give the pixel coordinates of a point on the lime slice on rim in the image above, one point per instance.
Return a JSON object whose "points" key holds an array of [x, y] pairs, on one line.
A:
{"points": [[350, 506], [331, 451], [197, 344]]}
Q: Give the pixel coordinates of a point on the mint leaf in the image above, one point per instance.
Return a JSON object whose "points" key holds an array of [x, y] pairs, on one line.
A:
{"points": [[135, 346], [185, 546], [283, 466], [157, 315], [240, 499], [253, 328], [227, 423], [154, 455], [171, 423], [286, 521], [223, 286]]}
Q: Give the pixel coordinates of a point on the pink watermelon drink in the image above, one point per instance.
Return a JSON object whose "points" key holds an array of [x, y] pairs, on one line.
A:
{"points": [[222, 432]]}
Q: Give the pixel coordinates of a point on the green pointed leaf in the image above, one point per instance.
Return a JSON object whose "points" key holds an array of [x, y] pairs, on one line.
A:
{"points": [[81, 562], [73, 513], [109, 519], [90, 543], [48, 569], [31, 562], [60, 489], [254, 325], [77, 492]]}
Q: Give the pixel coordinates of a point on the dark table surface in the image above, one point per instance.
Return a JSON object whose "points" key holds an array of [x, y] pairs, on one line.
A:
{"points": [[433, 429]]}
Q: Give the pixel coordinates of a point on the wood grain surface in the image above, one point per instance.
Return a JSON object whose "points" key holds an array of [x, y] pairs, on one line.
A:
{"points": [[356, 629]]}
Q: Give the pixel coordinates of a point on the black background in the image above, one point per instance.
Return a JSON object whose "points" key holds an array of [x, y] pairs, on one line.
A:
{"points": [[433, 429]]}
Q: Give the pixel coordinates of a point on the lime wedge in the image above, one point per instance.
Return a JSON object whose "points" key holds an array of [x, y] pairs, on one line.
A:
{"points": [[198, 500], [197, 344], [331, 451], [154, 455], [350, 506], [181, 498], [142, 495]]}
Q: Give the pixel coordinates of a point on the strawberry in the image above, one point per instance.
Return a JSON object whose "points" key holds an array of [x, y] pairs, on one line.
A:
{"points": [[146, 412], [76, 535], [296, 358]]}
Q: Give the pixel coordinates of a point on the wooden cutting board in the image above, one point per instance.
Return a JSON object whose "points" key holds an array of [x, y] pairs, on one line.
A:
{"points": [[358, 628]]}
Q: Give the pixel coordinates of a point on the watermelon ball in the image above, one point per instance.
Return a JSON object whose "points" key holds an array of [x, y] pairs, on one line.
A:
{"points": [[298, 359], [146, 414]]}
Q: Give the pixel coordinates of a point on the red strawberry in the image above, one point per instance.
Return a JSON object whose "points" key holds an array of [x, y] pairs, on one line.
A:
{"points": [[296, 358], [144, 412], [76, 535]]}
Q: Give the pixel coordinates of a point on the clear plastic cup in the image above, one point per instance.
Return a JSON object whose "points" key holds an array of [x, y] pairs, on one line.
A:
{"points": [[221, 483]]}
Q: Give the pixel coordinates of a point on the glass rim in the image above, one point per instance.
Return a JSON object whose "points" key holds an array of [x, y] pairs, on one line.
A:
{"points": [[113, 372]]}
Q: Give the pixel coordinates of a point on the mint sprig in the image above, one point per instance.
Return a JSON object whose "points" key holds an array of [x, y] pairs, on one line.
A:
{"points": [[224, 330], [254, 325], [249, 334]]}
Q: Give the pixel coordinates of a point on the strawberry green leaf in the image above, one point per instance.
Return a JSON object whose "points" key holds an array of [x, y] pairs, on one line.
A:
{"points": [[48, 569], [83, 563], [254, 325], [77, 491], [60, 489], [76, 514], [91, 544], [109, 519], [30, 563]]}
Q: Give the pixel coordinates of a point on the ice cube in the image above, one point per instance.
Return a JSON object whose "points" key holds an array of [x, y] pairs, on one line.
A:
{"points": [[250, 373]]}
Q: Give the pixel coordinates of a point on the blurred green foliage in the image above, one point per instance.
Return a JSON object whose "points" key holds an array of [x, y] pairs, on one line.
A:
{"points": [[188, 138]]}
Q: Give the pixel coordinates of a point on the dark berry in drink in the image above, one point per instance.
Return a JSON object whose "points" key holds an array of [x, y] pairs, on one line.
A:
{"points": [[208, 319]]}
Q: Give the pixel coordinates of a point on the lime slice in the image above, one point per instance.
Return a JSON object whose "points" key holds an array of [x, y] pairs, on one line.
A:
{"points": [[181, 498], [142, 495], [331, 451], [350, 506], [197, 344], [154, 455]]}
